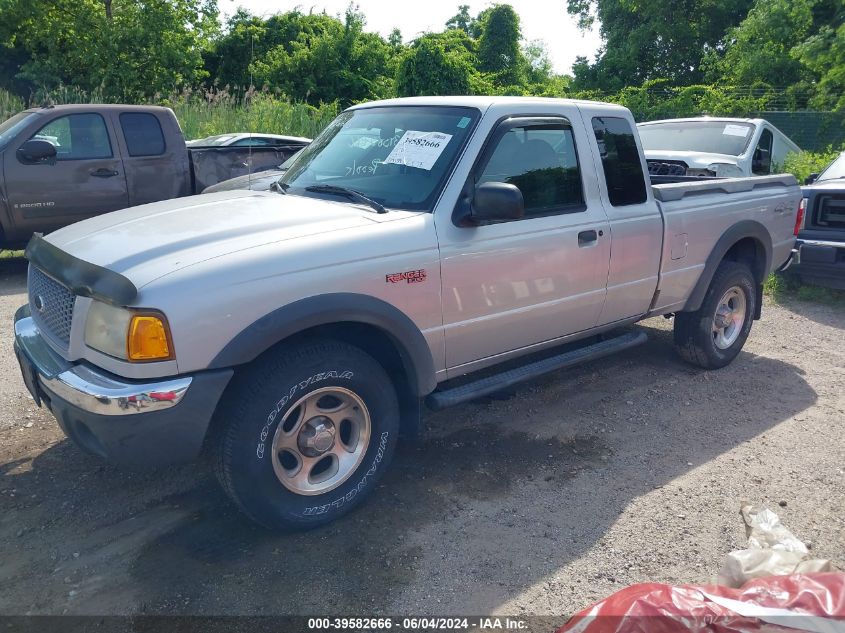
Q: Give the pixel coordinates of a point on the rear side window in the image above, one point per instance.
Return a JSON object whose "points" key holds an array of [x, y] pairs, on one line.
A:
{"points": [[540, 160], [77, 137], [143, 134], [620, 159]]}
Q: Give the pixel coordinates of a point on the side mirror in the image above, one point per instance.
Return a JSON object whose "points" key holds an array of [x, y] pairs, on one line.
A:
{"points": [[809, 180], [497, 202], [37, 151]]}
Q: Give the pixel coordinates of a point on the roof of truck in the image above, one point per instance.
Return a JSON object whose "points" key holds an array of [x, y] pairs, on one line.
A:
{"points": [[480, 102], [732, 119], [97, 107], [726, 119]]}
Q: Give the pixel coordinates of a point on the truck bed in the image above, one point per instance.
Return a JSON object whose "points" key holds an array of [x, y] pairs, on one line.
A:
{"points": [[211, 165], [697, 214]]}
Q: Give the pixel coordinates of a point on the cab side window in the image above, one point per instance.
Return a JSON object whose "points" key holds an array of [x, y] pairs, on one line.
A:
{"points": [[142, 133], [761, 162], [620, 160], [77, 137], [541, 161]]}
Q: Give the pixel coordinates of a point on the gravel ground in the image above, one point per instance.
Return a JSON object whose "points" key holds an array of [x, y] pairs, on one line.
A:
{"points": [[625, 470]]}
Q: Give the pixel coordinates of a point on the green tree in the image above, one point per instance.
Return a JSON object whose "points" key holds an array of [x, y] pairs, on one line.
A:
{"points": [[462, 20], [758, 49], [650, 39], [824, 54], [538, 63], [395, 41], [329, 60], [498, 46], [798, 45], [122, 49], [246, 36], [439, 64]]}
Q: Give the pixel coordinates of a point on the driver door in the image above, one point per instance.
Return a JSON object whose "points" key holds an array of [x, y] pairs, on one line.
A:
{"points": [[86, 179], [511, 285]]}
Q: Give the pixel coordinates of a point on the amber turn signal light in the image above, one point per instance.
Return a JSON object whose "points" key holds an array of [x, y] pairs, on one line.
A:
{"points": [[148, 338]]}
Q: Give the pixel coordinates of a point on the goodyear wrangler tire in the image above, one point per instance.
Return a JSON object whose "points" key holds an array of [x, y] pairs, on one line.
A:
{"points": [[306, 433]]}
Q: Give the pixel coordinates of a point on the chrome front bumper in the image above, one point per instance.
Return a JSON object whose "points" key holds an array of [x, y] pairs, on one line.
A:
{"points": [[85, 387], [133, 423]]}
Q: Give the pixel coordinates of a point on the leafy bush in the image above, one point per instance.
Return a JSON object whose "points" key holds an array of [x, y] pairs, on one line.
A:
{"points": [[803, 164]]}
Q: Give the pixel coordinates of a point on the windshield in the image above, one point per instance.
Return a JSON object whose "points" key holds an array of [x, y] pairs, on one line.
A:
{"points": [[835, 170], [711, 137], [397, 156], [10, 127]]}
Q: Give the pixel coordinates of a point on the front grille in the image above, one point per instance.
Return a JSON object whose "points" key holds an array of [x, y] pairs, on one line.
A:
{"points": [[51, 305], [667, 167]]}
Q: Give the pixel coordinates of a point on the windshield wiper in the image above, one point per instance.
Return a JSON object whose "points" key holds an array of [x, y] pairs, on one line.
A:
{"points": [[357, 196], [279, 187]]}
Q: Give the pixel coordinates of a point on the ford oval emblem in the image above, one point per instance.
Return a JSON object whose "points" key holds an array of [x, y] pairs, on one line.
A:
{"points": [[39, 304]]}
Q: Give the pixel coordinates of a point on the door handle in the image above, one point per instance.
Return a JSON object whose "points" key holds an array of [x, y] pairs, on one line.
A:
{"points": [[103, 173], [585, 238]]}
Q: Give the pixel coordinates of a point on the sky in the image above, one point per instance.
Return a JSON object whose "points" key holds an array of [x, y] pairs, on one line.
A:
{"points": [[540, 19]]}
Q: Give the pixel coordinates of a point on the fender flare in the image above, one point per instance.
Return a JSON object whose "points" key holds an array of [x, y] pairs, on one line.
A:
{"points": [[331, 308], [739, 231]]}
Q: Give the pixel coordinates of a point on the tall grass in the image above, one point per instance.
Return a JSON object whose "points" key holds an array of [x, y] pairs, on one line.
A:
{"points": [[221, 112], [209, 112], [9, 104], [784, 287]]}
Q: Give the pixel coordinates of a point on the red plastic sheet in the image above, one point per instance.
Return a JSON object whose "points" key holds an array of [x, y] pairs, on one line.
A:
{"points": [[780, 604]]}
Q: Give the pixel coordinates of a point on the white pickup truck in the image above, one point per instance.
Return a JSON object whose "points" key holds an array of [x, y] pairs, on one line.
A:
{"points": [[714, 146], [413, 248]]}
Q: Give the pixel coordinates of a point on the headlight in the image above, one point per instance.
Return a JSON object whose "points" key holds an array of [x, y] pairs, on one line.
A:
{"points": [[725, 170], [132, 335]]}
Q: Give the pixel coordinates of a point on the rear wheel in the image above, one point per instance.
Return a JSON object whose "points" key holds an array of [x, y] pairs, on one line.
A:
{"points": [[306, 434], [713, 336]]}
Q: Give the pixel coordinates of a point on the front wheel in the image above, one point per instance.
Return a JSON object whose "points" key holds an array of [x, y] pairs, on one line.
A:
{"points": [[712, 336], [306, 434]]}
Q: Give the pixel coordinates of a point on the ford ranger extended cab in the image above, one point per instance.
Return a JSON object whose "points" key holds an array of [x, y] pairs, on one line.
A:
{"points": [[419, 250], [61, 164]]}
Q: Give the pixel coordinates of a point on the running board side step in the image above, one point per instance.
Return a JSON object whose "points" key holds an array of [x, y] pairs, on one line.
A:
{"points": [[491, 384]]}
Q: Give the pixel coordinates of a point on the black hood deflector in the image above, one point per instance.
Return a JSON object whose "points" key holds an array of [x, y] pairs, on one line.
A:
{"points": [[82, 278]]}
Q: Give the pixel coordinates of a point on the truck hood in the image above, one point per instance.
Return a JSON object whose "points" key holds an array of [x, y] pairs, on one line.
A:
{"points": [[835, 184], [146, 242], [694, 160]]}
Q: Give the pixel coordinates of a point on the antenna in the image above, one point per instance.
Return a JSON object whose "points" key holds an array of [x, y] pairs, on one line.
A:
{"points": [[251, 62]]}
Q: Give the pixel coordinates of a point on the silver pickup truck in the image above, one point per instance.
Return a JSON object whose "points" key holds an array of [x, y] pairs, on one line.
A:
{"points": [[410, 254]]}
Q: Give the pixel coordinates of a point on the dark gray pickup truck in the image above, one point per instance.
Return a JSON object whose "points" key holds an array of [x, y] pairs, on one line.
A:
{"points": [[62, 164], [821, 240]]}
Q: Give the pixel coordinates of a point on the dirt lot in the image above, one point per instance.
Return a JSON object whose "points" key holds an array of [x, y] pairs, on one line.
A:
{"points": [[625, 470]]}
